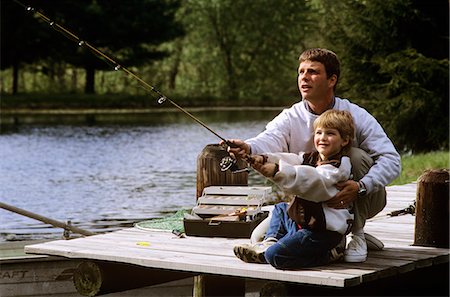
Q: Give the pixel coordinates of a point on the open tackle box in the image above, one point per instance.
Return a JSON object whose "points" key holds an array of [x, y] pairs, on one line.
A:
{"points": [[227, 211]]}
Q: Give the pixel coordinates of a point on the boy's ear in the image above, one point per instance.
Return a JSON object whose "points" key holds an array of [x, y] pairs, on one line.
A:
{"points": [[346, 141]]}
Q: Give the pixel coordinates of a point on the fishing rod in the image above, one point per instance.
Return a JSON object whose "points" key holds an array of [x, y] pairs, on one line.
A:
{"points": [[226, 163]]}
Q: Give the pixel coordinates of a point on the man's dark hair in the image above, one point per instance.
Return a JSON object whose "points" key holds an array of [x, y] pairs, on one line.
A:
{"points": [[328, 58]]}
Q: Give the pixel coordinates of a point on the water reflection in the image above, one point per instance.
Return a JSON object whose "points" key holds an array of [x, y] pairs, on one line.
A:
{"points": [[104, 177]]}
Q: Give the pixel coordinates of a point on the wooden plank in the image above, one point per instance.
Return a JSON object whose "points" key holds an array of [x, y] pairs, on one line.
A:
{"points": [[183, 261], [215, 256], [197, 260]]}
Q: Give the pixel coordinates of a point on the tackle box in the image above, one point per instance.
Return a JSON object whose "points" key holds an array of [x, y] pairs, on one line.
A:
{"points": [[227, 211]]}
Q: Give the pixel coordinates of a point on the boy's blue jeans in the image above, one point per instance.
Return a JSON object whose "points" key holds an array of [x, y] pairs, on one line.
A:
{"points": [[297, 248]]}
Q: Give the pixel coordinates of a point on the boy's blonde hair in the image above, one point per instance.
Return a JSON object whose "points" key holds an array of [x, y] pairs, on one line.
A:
{"points": [[340, 120]]}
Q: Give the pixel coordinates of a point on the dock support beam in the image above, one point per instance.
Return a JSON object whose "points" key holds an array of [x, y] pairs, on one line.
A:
{"points": [[94, 278], [215, 285], [432, 209]]}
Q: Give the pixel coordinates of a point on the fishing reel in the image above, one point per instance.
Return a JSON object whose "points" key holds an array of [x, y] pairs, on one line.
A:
{"points": [[228, 163]]}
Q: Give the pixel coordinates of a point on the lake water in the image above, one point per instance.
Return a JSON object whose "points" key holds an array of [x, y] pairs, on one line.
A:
{"points": [[103, 178]]}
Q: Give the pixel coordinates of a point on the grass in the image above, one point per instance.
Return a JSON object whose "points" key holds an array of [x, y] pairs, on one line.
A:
{"points": [[414, 165]]}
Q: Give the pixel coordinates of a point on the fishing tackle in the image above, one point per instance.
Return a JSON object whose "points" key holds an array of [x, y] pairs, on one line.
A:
{"points": [[227, 163]]}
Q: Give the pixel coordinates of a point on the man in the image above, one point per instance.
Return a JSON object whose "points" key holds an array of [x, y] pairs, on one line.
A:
{"points": [[375, 164]]}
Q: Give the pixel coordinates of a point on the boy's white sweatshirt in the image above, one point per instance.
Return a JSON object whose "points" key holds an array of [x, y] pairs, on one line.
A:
{"points": [[316, 184]]}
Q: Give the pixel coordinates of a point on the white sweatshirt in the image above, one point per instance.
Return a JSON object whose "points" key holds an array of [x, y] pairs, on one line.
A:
{"points": [[292, 131], [316, 184]]}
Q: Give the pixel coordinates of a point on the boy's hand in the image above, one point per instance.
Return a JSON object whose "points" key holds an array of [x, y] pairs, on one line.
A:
{"points": [[267, 169]]}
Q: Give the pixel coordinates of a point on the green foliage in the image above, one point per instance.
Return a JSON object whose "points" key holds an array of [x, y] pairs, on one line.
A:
{"points": [[416, 105], [129, 30], [406, 90], [238, 48], [394, 53], [414, 165]]}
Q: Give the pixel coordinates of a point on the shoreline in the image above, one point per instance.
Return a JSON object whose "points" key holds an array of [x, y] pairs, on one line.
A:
{"points": [[101, 116]]}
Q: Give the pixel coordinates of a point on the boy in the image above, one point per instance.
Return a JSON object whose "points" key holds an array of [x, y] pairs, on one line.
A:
{"points": [[306, 232]]}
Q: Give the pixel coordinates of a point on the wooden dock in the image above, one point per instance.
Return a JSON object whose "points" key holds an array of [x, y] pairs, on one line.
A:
{"points": [[214, 256]]}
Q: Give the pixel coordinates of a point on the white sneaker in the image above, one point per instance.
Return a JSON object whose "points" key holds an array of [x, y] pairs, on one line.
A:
{"points": [[356, 250]]}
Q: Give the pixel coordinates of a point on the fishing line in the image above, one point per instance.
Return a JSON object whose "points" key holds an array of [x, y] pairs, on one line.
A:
{"points": [[117, 66]]}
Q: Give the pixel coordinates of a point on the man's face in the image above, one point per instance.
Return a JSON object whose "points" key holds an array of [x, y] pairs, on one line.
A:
{"points": [[312, 81]]}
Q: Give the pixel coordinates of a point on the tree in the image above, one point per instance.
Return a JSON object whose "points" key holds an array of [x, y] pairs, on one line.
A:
{"points": [[19, 34], [391, 66], [128, 30], [243, 48]]}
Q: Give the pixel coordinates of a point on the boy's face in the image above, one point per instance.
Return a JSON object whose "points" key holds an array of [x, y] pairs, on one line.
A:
{"points": [[328, 142]]}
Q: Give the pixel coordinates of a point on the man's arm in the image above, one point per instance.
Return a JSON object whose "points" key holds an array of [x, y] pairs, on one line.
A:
{"points": [[387, 163]]}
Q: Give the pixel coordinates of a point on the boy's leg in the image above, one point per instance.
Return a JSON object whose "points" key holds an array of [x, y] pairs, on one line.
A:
{"points": [[303, 248], [280, 225]]}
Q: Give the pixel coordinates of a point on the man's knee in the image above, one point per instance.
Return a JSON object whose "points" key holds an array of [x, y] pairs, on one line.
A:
{"points": [[361, 162]]}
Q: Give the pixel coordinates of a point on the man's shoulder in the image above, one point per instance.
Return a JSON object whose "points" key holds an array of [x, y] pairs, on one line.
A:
{"points": [[345, 104], [297, 110]]}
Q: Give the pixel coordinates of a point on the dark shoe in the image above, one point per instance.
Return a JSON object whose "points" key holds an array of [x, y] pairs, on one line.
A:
{"points": [[337, 253], [373, 243], [253, 253]]}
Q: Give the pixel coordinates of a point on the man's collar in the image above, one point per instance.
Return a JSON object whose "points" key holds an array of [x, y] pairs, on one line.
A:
{"points": [[308, 108]]}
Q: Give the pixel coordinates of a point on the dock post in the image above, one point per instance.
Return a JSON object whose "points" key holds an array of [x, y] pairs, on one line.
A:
{"points": [[432, 209], [209, 173], [93, 278], [214, 285]]}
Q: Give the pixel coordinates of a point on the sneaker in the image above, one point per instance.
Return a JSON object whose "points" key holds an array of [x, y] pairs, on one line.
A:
{"points": [[254, 253], [337, 253], [356, 250], [373, 243]]}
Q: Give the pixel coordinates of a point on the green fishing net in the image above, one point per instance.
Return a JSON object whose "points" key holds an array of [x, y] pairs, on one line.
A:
{"points": [[169, 223]]}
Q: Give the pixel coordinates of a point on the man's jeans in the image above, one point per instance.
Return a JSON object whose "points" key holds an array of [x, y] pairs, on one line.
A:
{"points": [[297, 248]]}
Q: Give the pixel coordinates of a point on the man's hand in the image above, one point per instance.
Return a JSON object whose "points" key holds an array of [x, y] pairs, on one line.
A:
{"points": [[237, 148], [348, 192]]}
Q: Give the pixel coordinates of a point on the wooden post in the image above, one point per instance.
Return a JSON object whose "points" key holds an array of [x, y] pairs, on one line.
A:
{"points": [[432, 209], [98, 278], [216, 285], [209, 173]]}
